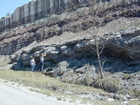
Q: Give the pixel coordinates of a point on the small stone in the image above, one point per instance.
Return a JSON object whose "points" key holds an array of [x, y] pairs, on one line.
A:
{"points": [[110, 99]]}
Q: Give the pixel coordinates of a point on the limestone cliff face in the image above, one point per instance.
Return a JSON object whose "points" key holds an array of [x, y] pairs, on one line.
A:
{"points": [[37, 9], [57, 25], [65, 38]]}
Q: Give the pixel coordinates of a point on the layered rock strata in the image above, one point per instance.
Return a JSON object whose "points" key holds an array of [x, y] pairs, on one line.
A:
{"points": [[66, 39], [56, 25], [37, 9]]}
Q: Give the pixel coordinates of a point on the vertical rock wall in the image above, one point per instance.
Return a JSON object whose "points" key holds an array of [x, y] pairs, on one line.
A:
{"points": [[37, 9], [26, 13]]}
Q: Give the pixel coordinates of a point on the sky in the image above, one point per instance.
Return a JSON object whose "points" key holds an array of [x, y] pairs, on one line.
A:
{"points": [[8, 6]]}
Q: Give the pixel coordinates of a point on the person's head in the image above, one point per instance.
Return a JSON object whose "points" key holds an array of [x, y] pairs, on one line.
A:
{"points": [[43, 54], [31, 57]]}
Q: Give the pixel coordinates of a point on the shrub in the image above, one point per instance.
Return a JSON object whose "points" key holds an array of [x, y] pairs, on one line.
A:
{"points": [[110, 85], [127, 76], [137, 93]]}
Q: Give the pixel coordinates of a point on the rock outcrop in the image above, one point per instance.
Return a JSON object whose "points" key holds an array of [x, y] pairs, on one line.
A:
{"points": [[57, 25], [38, 9], [68, 42]]}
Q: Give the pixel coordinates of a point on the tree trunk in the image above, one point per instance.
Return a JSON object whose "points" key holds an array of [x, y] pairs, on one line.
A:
{"points": [[98, 58]]}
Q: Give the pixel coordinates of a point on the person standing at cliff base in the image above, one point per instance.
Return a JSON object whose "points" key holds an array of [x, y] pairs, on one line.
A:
{"points": [[42, 62], [32, 64]]}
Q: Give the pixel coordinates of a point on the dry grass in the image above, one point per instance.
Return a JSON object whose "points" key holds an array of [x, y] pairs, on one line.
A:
{"points": [[110, 84], [36, 79], [53, 87], [4, 61]]}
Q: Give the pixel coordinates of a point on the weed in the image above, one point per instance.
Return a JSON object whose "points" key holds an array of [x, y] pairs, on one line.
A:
{"points": [[110, 85], [59, 98], [127, 76]]}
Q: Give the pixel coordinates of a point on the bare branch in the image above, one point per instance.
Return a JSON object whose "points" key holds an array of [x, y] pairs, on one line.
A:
{"points": [[103, 62], [93, 48], [102, 48]]}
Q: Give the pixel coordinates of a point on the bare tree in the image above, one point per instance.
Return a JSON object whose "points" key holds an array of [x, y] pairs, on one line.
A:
{"points": [[97, 22], [96, 12]]}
